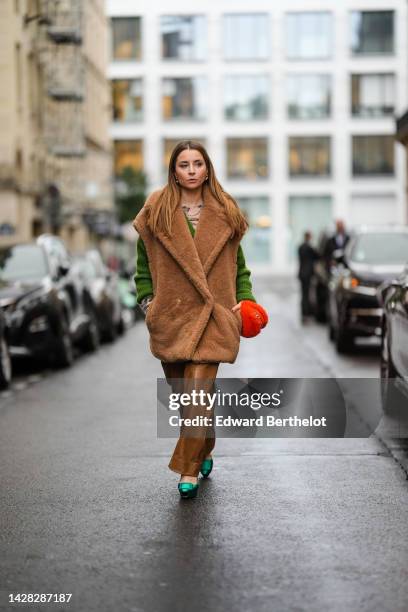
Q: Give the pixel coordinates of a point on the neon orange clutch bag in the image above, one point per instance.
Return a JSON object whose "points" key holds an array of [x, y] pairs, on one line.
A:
{"points": [[254, 318]]}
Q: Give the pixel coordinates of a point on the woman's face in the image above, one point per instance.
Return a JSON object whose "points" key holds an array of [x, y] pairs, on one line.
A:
{"points": [[190, 169]]}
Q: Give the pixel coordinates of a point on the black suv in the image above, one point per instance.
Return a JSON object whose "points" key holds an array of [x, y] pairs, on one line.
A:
{"points": [[47, 310], [373, 255]]}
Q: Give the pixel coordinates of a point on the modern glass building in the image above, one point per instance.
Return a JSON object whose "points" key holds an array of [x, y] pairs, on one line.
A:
{"points": [[295, 102]]}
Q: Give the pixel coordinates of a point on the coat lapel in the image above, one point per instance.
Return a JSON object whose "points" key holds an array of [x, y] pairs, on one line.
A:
{"points": [[196, 255], [213, 231]]}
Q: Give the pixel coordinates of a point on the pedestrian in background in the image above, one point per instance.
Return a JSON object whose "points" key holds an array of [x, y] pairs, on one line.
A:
{"points": [[307, 257], [193, 283], [337, 241]]}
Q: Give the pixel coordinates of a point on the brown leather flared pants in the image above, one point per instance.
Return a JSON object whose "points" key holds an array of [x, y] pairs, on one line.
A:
{"points": [[195, 442]]}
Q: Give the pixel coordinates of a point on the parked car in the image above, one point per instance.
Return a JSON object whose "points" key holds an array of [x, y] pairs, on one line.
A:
{"points": [[373, 255], [46, 311], [103, 287], [5, 359], [393, 296]]}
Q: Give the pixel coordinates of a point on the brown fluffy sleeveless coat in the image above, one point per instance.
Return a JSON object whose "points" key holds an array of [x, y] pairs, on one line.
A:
{"points": [[194, 285]]}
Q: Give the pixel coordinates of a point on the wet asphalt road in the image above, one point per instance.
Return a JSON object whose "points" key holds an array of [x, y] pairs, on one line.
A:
{"points": [[89, 507]]}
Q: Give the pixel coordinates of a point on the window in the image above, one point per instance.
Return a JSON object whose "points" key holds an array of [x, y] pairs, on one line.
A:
{"points": [[128, 153], [185, 98], [309, 156], [168, 146], [309, 35], [183, 37], [247, 158], [373, 155], [372, 95], [246, 97], [246, 36], [126, 38], [308, 96], [257, 242], [307, 212], [372, 32], [127, 100]]}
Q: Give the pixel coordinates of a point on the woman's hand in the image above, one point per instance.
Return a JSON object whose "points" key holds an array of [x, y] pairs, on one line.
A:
{"points": [[236, 307], [145, 303]]}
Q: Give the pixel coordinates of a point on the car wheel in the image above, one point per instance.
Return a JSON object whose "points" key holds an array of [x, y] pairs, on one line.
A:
{"points": [[390, 395], [5, 365], [91, 341], [344, 340], [64, 354]]}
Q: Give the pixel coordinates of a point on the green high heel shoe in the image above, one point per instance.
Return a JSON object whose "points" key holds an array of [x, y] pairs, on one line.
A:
{"points": [[188, 490], [206, 467]]}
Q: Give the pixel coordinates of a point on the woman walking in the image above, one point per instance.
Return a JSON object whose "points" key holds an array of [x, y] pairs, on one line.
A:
{"points": [[192, 280]]}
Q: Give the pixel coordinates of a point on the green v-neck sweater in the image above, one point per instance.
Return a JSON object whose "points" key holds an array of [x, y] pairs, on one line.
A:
{"points": [[143, 277]]}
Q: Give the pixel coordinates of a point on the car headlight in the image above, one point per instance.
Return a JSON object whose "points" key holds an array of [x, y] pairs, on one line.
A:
{"points": [[17, 311], [350, 282], [39, 324]]}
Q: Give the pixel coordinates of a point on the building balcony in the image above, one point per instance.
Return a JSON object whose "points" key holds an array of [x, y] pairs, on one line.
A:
{"points": [[61, 94], [62, 35]]}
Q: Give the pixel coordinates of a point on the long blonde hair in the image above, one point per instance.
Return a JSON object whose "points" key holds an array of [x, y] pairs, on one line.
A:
{"points": [[161, 215]]}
